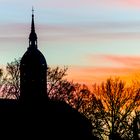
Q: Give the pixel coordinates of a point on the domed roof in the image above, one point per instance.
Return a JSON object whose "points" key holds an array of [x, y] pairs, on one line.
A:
{"points": [[33, 57]]}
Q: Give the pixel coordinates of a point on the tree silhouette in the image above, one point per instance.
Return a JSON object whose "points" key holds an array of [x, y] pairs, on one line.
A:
{"points": [[109, 106], [136, 126], [58, 88], [11, 87], [2, 79], [82, 99], [116, 105]]}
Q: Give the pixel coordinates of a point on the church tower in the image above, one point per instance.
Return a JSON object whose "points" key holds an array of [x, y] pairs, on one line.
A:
{"points": [[33, 70]]}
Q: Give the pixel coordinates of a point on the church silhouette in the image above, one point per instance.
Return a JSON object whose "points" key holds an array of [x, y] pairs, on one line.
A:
{"points": [[33, 115], [33, 69]]}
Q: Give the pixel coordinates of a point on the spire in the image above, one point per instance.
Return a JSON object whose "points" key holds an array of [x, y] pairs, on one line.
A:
{"points": [[32, 26], [33, 36]]}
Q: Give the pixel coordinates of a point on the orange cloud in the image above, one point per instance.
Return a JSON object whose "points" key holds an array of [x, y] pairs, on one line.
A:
{"points": [[91, 75], [126, 61]]}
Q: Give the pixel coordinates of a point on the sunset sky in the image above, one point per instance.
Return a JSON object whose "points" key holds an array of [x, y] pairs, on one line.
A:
{"points": [[96, 39]]}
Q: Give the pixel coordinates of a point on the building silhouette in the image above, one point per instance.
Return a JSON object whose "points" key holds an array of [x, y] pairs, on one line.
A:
{"points": [[33, 69], [34, 115]]}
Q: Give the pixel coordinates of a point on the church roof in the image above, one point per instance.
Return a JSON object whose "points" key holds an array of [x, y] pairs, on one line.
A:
{"points": [[33, 56]]}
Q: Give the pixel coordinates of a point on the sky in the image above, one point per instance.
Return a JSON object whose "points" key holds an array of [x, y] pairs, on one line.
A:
{"points": [[95, 39]]}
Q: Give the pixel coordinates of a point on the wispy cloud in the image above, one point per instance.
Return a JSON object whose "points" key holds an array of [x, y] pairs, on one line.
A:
{"points": [[93, 3], [126, 61], [93, 31], [91, 75], [79, 31], [115, 61]]}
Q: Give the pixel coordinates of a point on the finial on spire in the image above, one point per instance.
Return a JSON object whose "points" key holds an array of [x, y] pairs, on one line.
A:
{"points": [[33, 36], [32, 10]]}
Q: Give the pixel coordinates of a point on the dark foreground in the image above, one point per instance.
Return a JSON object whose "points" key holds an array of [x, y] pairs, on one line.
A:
{"points": [[42, 120]]}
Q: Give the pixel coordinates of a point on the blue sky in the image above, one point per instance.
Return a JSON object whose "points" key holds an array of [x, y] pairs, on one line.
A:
{"points": [[81, 34]]}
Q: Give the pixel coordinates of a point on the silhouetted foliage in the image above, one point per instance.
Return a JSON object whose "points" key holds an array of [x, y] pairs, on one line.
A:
{"points": [[58, 88], [1, 79], [83, 100], [12, 80], [116, 106], [110, 107], [1, 74], [136, 126]]}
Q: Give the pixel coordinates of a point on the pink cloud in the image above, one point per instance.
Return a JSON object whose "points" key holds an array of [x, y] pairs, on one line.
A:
{"points": [[128, 3], [114, 61], [89, 3]]}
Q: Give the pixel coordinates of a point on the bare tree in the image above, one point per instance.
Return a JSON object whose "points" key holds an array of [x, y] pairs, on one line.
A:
{"points": [[116, 107], [2, 81], [83, 100], [136, 126], [58, 88], [12, 81]]}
